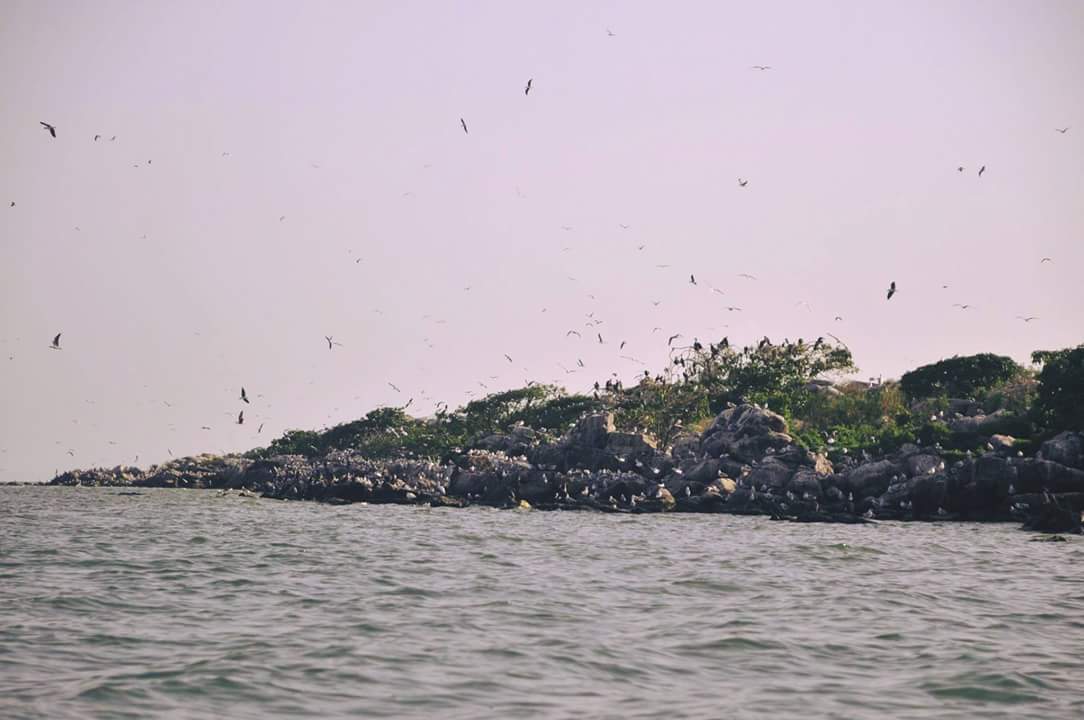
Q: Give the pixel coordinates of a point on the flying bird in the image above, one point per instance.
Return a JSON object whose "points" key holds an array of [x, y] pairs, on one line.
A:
{"points": [[527, 90], [891, 290], [622, 345], [610, 32], [960, 169], [393, 387], [580, 362], [982, 170], [600, 338], [56, 342], [97, 138], [573, 332], [50, 128], [241, 418], [1062, 130], [692, 279], [330, 343], [1044, 260], [733, 308], [622, 226], [244, 395], [742, 183], [12, 203], [672, 338], [1027, 319], [260, 428], [760, 67], [747, 276], [464, 124], [962, 307], [508, 357]]}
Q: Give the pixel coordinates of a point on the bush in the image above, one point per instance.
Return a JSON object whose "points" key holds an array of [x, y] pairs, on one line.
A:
{"points": [[959, 376], [1060, 401]]}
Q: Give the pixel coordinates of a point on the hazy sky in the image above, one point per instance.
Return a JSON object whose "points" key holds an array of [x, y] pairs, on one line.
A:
{"points": [[164, 262]]}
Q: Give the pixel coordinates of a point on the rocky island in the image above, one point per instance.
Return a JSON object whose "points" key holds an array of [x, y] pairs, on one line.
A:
{"points": [[835, 452]]}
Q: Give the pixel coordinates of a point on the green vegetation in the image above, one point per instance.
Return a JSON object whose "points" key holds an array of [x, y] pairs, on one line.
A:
{"points": [[1060, 399], [703, 380], [959, 377]]}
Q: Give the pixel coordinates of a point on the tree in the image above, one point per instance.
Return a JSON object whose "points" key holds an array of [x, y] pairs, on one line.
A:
{"points": [[959, 376], [1060, 402]]}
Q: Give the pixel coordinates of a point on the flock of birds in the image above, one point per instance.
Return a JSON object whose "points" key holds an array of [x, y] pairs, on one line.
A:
{"points": [[592, 322]]}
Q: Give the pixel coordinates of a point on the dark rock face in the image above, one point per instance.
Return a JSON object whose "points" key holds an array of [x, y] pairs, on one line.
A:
{"points": [[744, 463], [1065, 449], [871, 479]]}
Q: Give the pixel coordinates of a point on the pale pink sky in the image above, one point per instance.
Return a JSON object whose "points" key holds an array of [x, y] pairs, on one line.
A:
{"points": [[181, 283]]}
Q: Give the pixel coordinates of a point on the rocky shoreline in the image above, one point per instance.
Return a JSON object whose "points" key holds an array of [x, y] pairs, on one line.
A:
{"points": [[745, 463]]}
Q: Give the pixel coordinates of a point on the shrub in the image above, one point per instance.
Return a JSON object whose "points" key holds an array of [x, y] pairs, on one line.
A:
{"points": [[959, 376], [1060, 401]]}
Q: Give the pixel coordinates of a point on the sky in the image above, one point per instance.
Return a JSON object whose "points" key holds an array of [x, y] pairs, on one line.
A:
{"points": [[286, 171]]}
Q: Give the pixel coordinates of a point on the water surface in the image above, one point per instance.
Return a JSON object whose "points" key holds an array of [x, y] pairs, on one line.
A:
{"points": [[183, 604]]}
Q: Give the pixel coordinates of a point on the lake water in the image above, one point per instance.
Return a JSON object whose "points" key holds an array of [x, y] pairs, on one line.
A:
{"points": [[183, 604]]}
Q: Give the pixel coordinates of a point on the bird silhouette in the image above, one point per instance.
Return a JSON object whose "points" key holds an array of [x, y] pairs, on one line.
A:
{"points": [[241, 418], [600, 339], [610, 32], [508, 357], [56, 342], [960, 168], [760, 67], [1045, 260], [97, 138], [733, 308], [573, 332], [982, 170], [1027, 319], [747, 276], [244, 395], [692, 279], [742, 183], [670, 340], [962, 307], [622, 345], [1062, 130], [330, 343], [50, 128], [464, 124], [260, 428], [12, 203], [891, 290], [527, 90], [394, 387]]}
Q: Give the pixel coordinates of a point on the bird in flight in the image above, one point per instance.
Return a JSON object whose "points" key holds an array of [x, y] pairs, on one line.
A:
{"points": [[56, 342], [330, 343], [742, 183], [733, 308], [962, 307], [670, 340], [692, 279], [622, 226], [241, 418], [464, 124], [12, 203], [1062, 130], [982, 170], [244, 395], [960, 168], [891, 290], [260, 428], [50, 128], [600, 339], [747, 276], [97, 138], [580, 362], [610, 32], [394, 387], [527, 90], [1044, 260], [508, 357], [622, 345], [760, 67], [718, 291], [1027, 319], [838, 318], [573, 332]]}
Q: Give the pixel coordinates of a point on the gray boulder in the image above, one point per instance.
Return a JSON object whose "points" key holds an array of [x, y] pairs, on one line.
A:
{"points": [[872, 479], [592, 430], [1065, 449]]}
